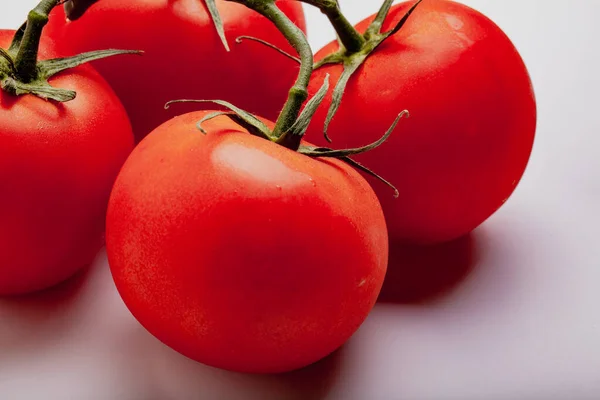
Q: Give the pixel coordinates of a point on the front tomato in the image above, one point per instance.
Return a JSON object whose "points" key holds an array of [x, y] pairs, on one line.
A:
{"points": [[240, 253], [183, 55]]}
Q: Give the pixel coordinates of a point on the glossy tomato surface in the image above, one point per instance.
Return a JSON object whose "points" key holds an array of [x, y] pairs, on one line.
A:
{"points": [[240, 253], [464, 149], [58, 162], [184, 57]]}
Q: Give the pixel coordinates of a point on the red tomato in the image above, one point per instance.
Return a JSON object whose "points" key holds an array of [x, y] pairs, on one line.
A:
{"points": [[58, 162], [473, 118], [240, 253], [184, 57]]}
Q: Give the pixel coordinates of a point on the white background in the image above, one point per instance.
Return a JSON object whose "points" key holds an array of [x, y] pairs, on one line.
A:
{"points": [[523, 325]]}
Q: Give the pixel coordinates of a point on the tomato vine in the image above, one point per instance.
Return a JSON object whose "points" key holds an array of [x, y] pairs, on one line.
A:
{"points": [[297, 112]]}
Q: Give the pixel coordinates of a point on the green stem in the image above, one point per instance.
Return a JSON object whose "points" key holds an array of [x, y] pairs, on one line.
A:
{"points": [[352, 40], [26, 60], [298, 93]]}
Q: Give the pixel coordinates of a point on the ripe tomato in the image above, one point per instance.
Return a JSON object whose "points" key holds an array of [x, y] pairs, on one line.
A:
{"points": [[240, 253], [473, 118], [58, 162], [184, 57]]}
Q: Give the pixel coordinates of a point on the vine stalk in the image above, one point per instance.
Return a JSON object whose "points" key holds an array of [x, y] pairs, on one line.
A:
{"points": [[350, 38], [26, 60], [298, 94]]}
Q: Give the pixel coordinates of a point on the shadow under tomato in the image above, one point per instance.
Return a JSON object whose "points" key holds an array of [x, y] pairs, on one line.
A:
{"points": [[26, 320], [58, 293], [313, 382], [419, 274], [169, 375]]}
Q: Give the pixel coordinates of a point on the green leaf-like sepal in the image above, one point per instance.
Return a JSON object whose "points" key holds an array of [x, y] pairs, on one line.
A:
{"points": [[49, 68], [345, 154], [327, 152], [401, 23], [45, 70], [22, 73], [350, 67], [16, 42], [7, 63], [301, 125], [293, 136], [216, 17], [240, 39], [40, 88], [210, 116], [351, 62], [253, 124]]}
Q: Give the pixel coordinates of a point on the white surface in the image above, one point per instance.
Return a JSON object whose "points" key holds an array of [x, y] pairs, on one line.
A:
{"points": [[524, 325]]}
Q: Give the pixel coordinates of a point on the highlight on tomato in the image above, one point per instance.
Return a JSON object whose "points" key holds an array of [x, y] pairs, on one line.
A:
{"points": [[184, 55], [63, 138]]}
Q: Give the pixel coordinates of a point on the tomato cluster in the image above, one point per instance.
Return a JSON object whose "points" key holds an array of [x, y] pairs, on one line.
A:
{"points": [[230, 237]]}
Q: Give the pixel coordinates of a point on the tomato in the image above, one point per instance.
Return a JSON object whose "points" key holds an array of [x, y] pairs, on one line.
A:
{"points": [[240, 253], [184, 57], [473, 119], [58, 162]]}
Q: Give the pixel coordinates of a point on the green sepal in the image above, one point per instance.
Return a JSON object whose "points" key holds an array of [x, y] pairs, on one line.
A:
{"points": [[401, 23], [22, 73], [216, 17], [345, 154], [39, 88], [253, 124], [239, 40], [293, 136], [235, 118], [327, 152], [45, 70], [334, 58], [377, 24], [351, 62], [368, 171], [7, 63], [49, 68], [16, 42], [210, 116]]}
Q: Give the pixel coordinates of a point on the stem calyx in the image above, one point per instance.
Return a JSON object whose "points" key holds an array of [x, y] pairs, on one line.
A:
{"points": [[22, 73], [352, 58]]}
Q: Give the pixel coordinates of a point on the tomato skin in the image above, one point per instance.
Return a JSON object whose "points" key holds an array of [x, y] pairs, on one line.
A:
{"points": [[184, 57], [240, 253], [473, 119], [58, 162]]}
